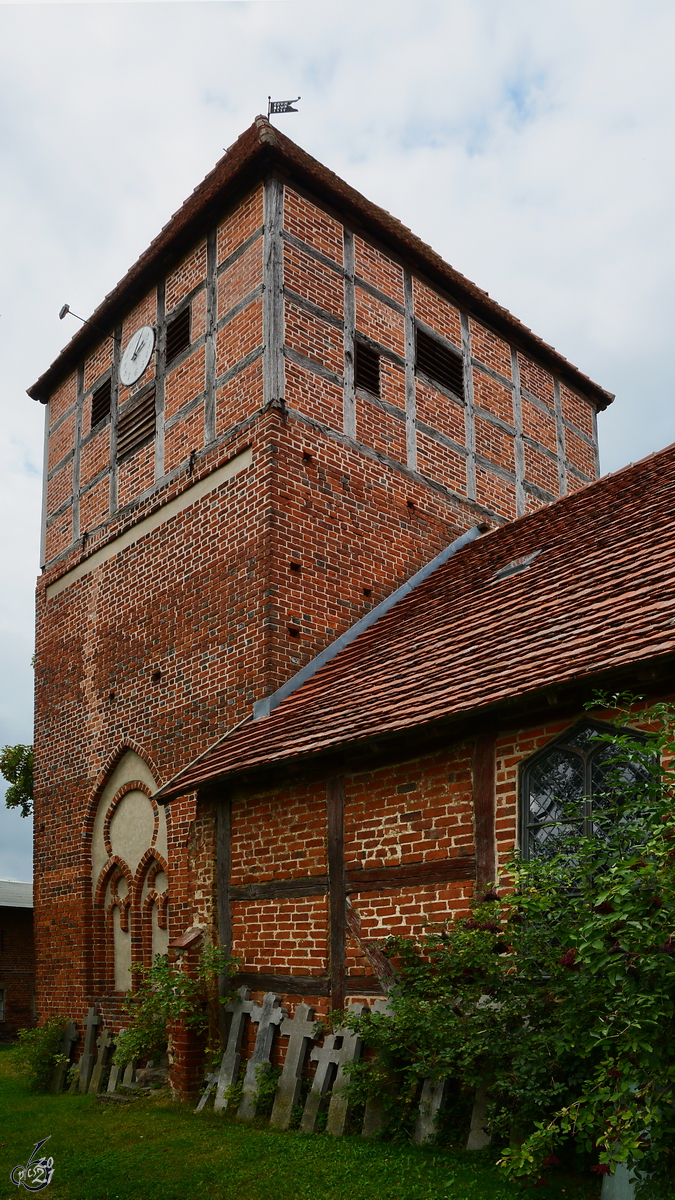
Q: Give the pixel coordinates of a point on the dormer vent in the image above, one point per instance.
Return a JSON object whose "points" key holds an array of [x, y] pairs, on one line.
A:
{"points": [[516, 565]]}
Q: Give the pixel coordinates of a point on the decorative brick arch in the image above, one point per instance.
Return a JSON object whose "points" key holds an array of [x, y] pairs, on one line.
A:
{"points": [[135, 916], [102, 922], [148, 869], [114, 758], [134, 785]]}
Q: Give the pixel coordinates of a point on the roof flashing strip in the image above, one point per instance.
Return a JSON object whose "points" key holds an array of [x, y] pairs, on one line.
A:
{"points": [[263, 708]]}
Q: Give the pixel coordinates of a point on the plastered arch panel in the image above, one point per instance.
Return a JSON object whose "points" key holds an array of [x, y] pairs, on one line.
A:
{"points": [[132, 828], [130, 769]]}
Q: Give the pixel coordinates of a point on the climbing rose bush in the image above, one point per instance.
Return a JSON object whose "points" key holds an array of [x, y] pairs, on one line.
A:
{"points": [[559, 992]]}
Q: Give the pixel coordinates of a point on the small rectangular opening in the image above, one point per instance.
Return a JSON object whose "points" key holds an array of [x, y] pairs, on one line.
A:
{"points": [[178, 334], [440, 363], [136, 424], [366, 368], [100, 403]]}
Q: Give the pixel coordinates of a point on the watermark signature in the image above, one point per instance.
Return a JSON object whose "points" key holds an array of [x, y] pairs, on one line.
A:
{"points": [[37, 1173]]}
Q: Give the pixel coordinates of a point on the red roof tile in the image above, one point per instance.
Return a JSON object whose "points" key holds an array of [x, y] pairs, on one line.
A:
{"points": [[599, 595], [260, 148]]}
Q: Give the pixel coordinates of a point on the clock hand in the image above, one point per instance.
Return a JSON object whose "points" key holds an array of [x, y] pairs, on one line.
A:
{"points": [[139, 346]]}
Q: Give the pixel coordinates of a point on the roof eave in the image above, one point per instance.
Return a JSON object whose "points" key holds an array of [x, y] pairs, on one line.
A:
{"points": [[555, 698], [260, 148]]}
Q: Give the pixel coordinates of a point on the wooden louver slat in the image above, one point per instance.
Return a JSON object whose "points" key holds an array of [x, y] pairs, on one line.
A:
{"points": [[366, 368], [100, 403], [178, 334], [440, 363], [136, 424]]}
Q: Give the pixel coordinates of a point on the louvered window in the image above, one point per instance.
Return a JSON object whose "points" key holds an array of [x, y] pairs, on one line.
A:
{"points": [[100, 403], [178, 335], [136, 424], [366, 368], [440, 363]]}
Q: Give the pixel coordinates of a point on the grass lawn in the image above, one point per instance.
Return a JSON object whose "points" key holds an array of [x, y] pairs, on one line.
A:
{"points": [[154, 1149]]}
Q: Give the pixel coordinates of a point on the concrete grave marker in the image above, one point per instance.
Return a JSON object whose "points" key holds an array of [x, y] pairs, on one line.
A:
{"points": [[373, 1117], [105, 1045], [70, 1036], [92, 1022], [240, 1008], [338, 1048], [301, 1030], [478, 1134], [620, 1185], [267, 1016], [433, 1091], [116, 1071]]}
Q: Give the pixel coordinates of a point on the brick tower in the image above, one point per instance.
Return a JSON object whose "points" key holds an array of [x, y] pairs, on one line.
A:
{"points": [[299, 405]]}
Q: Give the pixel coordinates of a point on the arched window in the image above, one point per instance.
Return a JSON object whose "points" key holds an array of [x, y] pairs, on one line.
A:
{"points": [[566, 783]]}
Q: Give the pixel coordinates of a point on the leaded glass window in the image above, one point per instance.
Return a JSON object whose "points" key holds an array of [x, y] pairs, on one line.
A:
{"points": [[567, 783]]}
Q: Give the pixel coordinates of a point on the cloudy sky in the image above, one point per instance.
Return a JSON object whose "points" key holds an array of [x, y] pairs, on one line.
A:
{"points": [[529, 141]]}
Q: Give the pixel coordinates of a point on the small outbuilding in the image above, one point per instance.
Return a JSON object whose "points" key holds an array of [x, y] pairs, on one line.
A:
{"points": [[17, 958]]}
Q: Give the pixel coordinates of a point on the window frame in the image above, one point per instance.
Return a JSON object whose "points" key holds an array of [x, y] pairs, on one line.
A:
{"points": [[562, 742]]}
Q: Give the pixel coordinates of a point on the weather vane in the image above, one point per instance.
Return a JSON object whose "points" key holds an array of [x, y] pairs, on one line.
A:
{"points": [[281, 106]]}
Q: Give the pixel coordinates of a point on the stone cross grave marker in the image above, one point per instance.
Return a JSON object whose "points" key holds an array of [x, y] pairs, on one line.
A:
{"points": [[338, 1048], [129, 1076], [433, 1091], [117, 1071], [231, 1060], [301, 1030], [478, 1133], [91, 1024], [373, 1117], [105, 1044], [268, 1016], [70, 1036], [210, 1084]]}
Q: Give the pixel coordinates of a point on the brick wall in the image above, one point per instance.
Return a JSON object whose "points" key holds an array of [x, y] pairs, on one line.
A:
{"points": [[17, 970]]}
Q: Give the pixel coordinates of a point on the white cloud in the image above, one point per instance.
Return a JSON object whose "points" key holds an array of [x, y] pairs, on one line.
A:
{"points": [[528, 142]]}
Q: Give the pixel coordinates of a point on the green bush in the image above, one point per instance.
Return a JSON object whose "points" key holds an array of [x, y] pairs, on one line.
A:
{"points": [[561, 993], [165, 994], [37, 1052]]}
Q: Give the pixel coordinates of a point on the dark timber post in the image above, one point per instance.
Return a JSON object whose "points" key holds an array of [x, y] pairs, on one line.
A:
{"points": [[223, 873], [484, 807], [337, 895]]}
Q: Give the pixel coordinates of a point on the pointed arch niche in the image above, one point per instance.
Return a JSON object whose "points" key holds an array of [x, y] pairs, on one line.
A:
{"points": [[129, 874]]}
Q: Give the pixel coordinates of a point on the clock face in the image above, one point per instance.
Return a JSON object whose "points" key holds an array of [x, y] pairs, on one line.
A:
{"points": [[137, 355]]}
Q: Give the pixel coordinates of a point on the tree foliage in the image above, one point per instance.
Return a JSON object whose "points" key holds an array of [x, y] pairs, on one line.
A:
{"points": [[560, 993], [16, 766], [167, 993]]}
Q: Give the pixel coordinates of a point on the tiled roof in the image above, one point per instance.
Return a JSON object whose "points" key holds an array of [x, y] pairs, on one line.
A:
{"points": [[598, 594], [15, 895], [260, 148]]}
